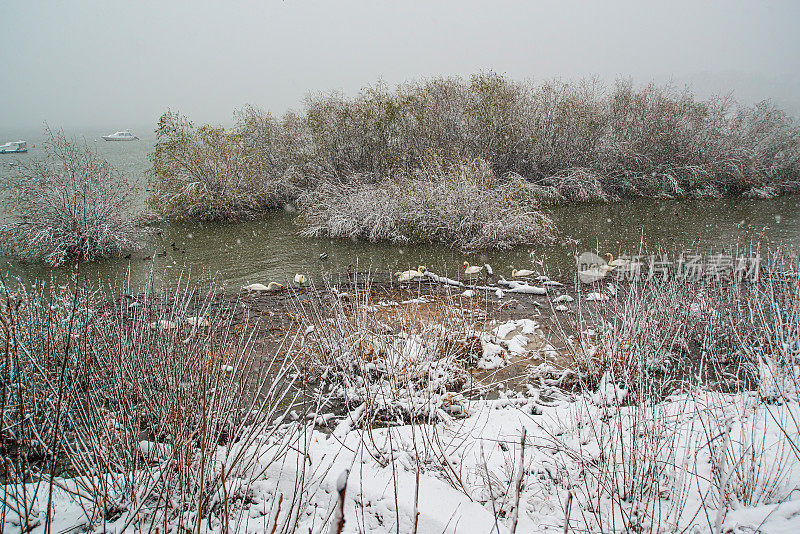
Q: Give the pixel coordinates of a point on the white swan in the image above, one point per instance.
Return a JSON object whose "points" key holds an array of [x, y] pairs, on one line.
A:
{"points": [[300, 279], [618, 262], [273, 286], [407, 276], [163, 324], [522, 273], [594, 273], [471, 269], [202, 321]]}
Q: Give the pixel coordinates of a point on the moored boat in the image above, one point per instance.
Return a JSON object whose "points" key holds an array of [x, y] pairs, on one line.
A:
{"points": [[122, 135], [14, 147]]}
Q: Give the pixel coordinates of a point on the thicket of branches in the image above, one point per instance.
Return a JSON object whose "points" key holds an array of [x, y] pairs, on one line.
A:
{"points": [[161, 411], [543, 131], [567, 141], [465, 206], [208, 173], [130, 401], [70, 204]]}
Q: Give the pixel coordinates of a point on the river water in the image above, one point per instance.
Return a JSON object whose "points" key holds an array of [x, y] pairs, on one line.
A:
{"points": [[270, 248]]}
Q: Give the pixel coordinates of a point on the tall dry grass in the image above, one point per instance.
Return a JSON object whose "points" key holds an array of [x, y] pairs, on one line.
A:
{"points": [[688, 399], [150, 412], [683, 408]]}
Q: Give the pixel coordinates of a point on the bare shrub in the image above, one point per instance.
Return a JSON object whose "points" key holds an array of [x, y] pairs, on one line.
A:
{"points": [[403, 361], [142, 416], [574, 142], [465, 206], [70, 204], [209, 173]]}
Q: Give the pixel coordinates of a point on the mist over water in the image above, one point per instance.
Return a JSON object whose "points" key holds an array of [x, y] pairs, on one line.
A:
{"points": [[93, 63]]}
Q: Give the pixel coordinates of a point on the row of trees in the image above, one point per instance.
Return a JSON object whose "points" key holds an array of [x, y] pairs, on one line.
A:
{"points": [[462, 161], [586, 139]]}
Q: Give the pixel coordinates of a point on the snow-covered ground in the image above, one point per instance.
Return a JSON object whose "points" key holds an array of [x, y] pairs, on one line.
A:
{"points": [[673, 466], [399, 432]]}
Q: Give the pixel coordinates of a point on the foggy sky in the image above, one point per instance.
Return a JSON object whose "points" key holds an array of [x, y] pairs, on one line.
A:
{"points": [[82, 63]]}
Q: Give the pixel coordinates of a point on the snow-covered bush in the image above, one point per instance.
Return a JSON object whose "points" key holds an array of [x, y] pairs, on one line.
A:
{"points": [[209, 173], [70, 204], [465, 206], [151, 409]]}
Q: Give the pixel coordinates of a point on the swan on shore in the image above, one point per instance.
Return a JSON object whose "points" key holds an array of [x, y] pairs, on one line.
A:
{"points": [[595, 273], [299, 279], [471, 269], [202, 321], [617, 262], [407, 276], [522, 273], [273, 286]]}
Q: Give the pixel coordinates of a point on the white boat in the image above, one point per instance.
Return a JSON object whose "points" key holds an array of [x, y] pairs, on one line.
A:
{"points": [[124, 135], [14, 147]]}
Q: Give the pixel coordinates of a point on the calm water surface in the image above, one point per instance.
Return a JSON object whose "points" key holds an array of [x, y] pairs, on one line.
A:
{"points": [[271, 249]]}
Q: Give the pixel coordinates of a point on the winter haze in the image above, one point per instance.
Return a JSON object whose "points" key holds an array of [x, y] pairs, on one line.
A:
{"points": [[89, 63]]}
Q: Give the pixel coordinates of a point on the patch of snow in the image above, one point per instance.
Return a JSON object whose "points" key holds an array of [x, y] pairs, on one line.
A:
{"points": [[518, 345], [608, 393], [586, 444]]}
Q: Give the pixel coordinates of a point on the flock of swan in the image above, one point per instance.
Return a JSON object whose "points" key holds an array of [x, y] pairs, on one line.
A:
{"points": [[595, 272], [299, 279], [469, 270], [598, 272]]}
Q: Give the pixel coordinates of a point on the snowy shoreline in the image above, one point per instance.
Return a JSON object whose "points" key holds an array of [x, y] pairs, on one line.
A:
{"points": [[663, 406], [466, 482]]}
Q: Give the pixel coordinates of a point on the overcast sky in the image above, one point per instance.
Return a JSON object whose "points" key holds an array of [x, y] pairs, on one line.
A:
{"points": [[82, 63]]}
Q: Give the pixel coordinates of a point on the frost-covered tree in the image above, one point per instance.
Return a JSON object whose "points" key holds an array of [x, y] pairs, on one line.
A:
{"points": [[68, 204]]}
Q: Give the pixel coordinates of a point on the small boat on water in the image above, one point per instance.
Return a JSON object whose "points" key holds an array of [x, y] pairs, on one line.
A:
{"points": [[14, 147], [123, 135]]}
